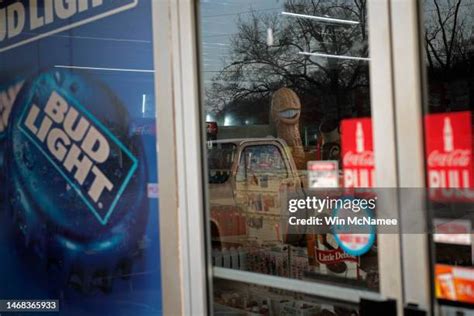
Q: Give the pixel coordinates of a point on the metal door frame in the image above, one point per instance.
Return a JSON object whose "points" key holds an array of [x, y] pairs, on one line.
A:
{"points": [[183, 263], [394, 71], [409, 67]]}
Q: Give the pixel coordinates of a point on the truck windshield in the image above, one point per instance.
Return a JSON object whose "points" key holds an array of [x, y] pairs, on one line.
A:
{"points": [[220, 158]]}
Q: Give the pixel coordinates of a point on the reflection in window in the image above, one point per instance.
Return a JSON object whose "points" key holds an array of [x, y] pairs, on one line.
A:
{"points": [[220, 158], [449, 61], [263, 160], [279, 79]]}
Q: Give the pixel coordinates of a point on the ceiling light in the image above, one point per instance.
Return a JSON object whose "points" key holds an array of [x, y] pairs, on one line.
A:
{"points": [[334, 56], [320, 18]]}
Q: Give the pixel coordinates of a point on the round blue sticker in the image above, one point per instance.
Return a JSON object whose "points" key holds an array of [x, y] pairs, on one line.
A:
{"points": [[352, 232]]}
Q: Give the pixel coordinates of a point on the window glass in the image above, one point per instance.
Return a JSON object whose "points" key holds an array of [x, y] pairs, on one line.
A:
{"points": [[220, 158], [261, 160], [449, 60], [286, 99]]}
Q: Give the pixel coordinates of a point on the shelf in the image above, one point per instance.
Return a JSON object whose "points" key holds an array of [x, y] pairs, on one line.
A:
{"points": [[330, 291]]}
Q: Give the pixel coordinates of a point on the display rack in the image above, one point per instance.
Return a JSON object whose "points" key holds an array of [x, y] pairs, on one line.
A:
{"points": [[330, 291]]}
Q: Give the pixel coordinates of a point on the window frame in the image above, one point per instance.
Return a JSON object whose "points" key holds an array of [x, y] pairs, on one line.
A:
{"points": [[385, 72]]}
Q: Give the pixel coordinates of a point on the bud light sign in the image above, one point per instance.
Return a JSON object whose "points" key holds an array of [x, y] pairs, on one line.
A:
{"points": [[22, 22], [79, 147], [449, 150], [79, 218], [357, 153]]}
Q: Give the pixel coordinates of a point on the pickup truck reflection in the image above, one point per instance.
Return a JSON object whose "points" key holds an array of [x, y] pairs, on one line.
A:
{"points": [[248, 179]]}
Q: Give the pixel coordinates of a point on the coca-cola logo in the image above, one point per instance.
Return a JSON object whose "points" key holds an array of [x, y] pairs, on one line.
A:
{"points": [[365, 158], [456, 158]]}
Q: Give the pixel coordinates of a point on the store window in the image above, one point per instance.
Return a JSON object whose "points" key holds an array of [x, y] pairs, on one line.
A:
{"points": [[286, 101], [449, 60]]}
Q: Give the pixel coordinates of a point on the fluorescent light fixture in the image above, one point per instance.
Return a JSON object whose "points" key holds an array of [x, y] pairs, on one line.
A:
{"points": [[320, 18], [143, 104], [105, 69], [269, 36], [334, 56]]}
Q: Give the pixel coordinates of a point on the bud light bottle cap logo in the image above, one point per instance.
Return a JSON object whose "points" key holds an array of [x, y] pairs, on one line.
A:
{"points": [[73, 163]]}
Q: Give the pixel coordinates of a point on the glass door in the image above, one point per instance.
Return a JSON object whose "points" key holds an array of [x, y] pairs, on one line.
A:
{"points": [[296, 102], [447, 117], [432, 58]]}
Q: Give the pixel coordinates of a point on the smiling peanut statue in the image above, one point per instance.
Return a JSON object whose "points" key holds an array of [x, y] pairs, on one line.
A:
{"points": [[285, 114]]}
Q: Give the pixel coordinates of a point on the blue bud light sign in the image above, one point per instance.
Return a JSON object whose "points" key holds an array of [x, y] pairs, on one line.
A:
{"points": [[77, 145], [80, 229], [22, 22]]}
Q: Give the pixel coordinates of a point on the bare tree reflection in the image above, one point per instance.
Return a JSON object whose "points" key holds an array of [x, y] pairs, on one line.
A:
{"points": [[336, 87], [449, 52]]}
